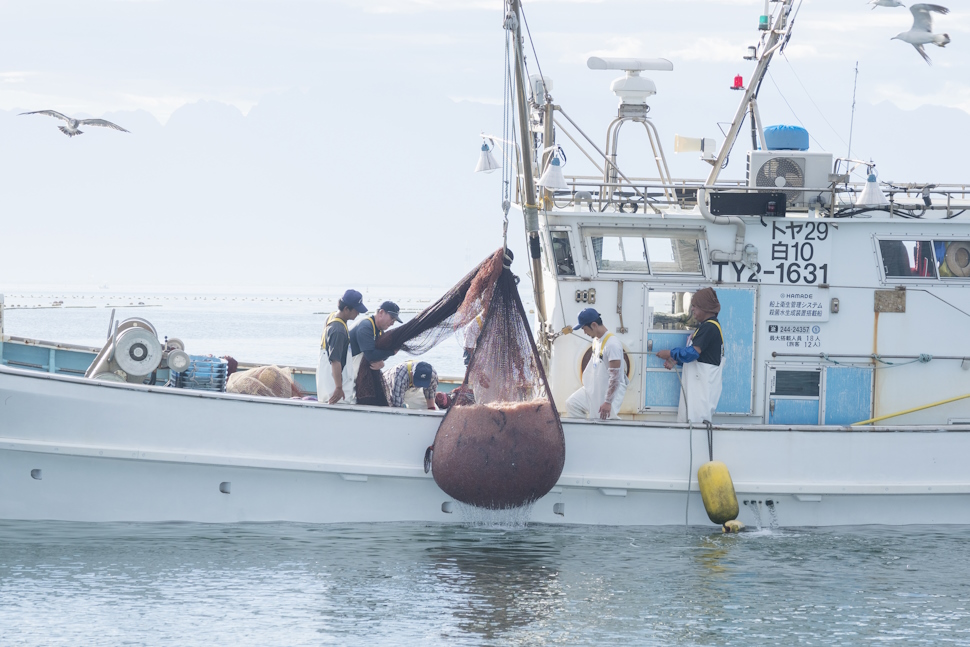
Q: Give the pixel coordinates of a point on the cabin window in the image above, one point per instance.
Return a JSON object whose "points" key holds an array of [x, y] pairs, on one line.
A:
{"points": [[620, 254], [953, 258], [673, 256], [562, 254], [925, 258], [908, 259], [657, 252]]}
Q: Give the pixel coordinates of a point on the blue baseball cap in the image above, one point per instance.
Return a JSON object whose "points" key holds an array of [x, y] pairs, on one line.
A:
{"points": [[586, 317], [352, 299], [421, 378]]}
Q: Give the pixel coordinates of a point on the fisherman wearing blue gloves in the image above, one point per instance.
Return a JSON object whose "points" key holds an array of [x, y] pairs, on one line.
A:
{"points": [[701, 359]]}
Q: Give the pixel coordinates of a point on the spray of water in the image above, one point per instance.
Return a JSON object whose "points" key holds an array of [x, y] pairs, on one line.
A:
{"points": [[502, 519]]}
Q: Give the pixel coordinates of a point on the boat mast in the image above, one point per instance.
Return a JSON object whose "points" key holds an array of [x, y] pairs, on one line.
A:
{"points": [[775, 39], [530, 210]]}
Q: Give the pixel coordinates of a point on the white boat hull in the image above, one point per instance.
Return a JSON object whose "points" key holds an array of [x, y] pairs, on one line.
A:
{"points": [[76, 450]]}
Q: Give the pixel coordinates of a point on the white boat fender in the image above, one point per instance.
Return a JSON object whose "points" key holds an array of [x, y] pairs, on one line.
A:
{"points": [[732, 527], [717, 491]]}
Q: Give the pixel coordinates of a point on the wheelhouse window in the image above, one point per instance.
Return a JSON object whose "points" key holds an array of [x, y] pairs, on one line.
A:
{"points": [[673, 256], [657, 252], [925, 258], [908, 258], [563, 254], [620, 254], [953, 258]]}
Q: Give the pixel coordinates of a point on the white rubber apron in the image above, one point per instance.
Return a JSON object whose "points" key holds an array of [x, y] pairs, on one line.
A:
{"points": [[325, 383], [414, 399], [702, 382], [596, 379]]}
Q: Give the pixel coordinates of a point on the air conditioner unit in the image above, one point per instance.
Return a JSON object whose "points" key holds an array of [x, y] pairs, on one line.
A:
{"points": [[790, 171]]}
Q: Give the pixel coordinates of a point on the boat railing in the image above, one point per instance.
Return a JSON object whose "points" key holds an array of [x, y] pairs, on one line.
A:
{"points": [[645, 195]]}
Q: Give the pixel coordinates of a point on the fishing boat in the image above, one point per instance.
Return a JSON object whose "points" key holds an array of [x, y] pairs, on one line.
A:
{"points": [[846, 397]]}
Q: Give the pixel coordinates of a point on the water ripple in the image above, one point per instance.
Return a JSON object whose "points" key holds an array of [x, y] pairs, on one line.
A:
{"points": [[396, 584]]}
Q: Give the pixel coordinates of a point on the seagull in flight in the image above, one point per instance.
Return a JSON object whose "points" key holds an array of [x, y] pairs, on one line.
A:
{"points": [[921, 32], [886, 3], [71, 128]]}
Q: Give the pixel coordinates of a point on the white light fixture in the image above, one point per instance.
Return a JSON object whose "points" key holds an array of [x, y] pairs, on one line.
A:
{"points": [[706, 146], [871, 195], [486, 161], [552, 177]]}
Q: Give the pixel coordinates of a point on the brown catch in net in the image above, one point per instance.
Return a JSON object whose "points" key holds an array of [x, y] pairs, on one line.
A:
{"points": [[501, 445], [499, 455], [507, 449]]}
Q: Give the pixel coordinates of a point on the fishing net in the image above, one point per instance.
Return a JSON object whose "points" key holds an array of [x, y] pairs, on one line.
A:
{"points": [[266, 381], [452, 312], [505, 448], [500, 444]]}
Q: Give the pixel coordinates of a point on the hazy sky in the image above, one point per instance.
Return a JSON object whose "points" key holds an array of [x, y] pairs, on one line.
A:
{"points": [[332, 143]]}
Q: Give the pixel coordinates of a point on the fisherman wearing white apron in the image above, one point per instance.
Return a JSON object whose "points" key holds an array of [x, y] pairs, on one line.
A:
{"points": [[604, 380], [412, 385], [335, 376], [701, 359]]}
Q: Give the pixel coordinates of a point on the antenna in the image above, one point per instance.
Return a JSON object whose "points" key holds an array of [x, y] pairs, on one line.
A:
{"points": [[855, 84]]}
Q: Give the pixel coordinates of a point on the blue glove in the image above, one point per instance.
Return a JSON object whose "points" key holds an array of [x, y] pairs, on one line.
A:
{"points": [[684, 355]]}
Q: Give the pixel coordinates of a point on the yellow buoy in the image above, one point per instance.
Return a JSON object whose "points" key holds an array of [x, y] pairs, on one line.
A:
{"points": [[717, 490]]}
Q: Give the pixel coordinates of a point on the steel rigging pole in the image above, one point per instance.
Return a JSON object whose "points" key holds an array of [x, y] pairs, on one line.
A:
{"points": [[530, 210]]}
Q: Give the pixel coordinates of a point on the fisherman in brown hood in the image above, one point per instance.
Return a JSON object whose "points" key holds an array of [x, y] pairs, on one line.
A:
{"points": [[701, 359]]}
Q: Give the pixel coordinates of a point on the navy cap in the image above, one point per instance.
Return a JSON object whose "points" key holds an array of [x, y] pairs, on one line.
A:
{"points": [[421, 377], [391, 308], [586, 317], [352, 299]]}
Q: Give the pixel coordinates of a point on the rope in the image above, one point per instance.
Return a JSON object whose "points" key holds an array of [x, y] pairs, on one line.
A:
{"points": [[690, 447], [690, 467], [923, 358], [533, 45], [508, 136], [710, 440]]}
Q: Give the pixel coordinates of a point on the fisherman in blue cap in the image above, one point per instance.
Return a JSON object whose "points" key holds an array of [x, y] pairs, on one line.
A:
{"points": [[335, 377], [363, 339], [412, 384], [604, 380]]}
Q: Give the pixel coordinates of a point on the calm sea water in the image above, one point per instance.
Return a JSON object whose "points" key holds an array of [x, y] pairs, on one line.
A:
{"points": [[410, 584], [463, 584]]}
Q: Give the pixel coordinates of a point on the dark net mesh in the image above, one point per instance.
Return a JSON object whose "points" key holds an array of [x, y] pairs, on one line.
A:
{"points": [[370, 386], [455, 310], [501, 443], [504, 447], [452, 312]]}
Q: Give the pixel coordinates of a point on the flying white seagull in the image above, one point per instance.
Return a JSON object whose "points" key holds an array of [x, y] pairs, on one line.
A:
{"points": [[886, 3], [71, 128], [921, 32]]}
